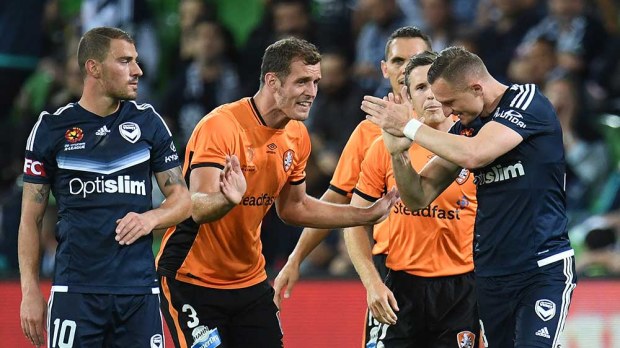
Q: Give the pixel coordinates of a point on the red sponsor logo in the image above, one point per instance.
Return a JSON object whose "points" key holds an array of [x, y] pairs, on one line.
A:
{"points": [[34, 168], [74, 135]]}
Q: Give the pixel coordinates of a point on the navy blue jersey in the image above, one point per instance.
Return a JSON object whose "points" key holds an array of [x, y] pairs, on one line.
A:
{"points": [[521, 221], [100, 169]]}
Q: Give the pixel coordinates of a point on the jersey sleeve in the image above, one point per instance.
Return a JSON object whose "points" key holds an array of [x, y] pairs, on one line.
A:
{"points": [[528, 113], [347, 171], [39, 160], [372, 182], [212, 140], [298, 174], [164, 154]]}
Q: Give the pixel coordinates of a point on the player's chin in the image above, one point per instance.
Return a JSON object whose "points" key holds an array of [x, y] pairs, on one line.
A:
{"points": [[129, 95], [301, 115]]}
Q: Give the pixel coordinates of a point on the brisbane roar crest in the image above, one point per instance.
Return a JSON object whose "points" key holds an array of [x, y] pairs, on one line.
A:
{"points": [[287, 160], [466, 339], [463, 176]]}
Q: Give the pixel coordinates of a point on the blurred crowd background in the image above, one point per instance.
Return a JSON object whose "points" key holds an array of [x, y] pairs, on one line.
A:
{"points": [[198, 54]]}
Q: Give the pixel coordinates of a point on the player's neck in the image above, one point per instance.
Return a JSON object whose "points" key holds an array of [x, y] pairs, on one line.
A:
{"points": [[99, 105], [492, 98], [266, 105]]}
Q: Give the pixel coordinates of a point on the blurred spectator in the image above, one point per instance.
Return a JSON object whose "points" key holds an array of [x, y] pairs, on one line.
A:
{"points": [[579, 37], [587, 157], [282, 18], [335, 28], [600, 254], [440, 24], [208, 80], [334, 115], [21, 41], [190, 12], [535, 63], [384, 16], [497, 41]]}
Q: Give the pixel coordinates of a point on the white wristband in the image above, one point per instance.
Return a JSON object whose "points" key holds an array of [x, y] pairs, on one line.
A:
{"points": [[411, 128]]}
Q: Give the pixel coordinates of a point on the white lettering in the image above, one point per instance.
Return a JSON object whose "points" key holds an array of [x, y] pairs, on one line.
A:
{"points": [[122, 184], [512, 116], [500, 173], [173, 157]]}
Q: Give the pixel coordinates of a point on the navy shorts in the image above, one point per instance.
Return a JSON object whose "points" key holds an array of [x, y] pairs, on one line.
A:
{"points": [[207, 318], [527, 309], [77, 320], [437, 312]]}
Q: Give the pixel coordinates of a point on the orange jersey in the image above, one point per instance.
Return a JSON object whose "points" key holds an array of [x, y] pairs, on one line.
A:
{"points": [[348, 170], [430, 242], [227, 253]]}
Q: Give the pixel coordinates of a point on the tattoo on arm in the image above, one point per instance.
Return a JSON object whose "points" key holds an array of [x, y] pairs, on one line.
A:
{"points": [[38, 193], [174, 176]]}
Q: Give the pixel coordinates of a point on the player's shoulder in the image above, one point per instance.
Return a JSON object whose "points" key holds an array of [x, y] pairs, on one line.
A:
{"points": [[524, 99], [365, 132], [59, 118], [226, 116]]}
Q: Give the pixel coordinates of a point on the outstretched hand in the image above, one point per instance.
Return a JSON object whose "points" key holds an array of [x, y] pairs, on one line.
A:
{"points": [[232, 181], [382, 208], [391, 113]]}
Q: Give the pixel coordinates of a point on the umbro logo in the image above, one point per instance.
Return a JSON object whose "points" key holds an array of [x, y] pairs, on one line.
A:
{"points": [[102, 131], [271, 148], [543, 333]]}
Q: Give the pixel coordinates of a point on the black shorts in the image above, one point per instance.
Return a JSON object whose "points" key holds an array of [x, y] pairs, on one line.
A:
{"points": [[434, 312], [99, 320], [526, 309], [379, 262], [225, 318]]}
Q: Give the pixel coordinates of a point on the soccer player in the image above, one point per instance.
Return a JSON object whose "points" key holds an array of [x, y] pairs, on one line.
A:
{"points": [[212, 271], [430, 266], [404, 43], [97, 157], [524, 264]]}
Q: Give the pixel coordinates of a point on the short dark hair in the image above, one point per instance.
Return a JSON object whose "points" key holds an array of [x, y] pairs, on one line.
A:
{"points": [[420, 59], [453, 63], [95, 44], [407, 32], [279, 56]]}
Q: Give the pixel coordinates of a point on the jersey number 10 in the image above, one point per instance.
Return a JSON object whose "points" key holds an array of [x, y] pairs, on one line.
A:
{"points": [[66, 338]]}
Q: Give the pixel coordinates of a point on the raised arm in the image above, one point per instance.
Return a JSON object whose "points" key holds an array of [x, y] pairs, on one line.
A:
{"points": [[216, 191], [174, 209], [467, 152], [33, 307]]}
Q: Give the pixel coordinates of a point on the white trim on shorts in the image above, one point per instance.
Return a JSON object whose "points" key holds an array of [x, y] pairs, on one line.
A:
{"points": [[566, 297], [557, 257]]}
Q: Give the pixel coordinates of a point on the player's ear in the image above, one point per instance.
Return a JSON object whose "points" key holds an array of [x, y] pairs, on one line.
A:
{"points": [[477, 89], [271, 80], [384, 69], [93, 68]]}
